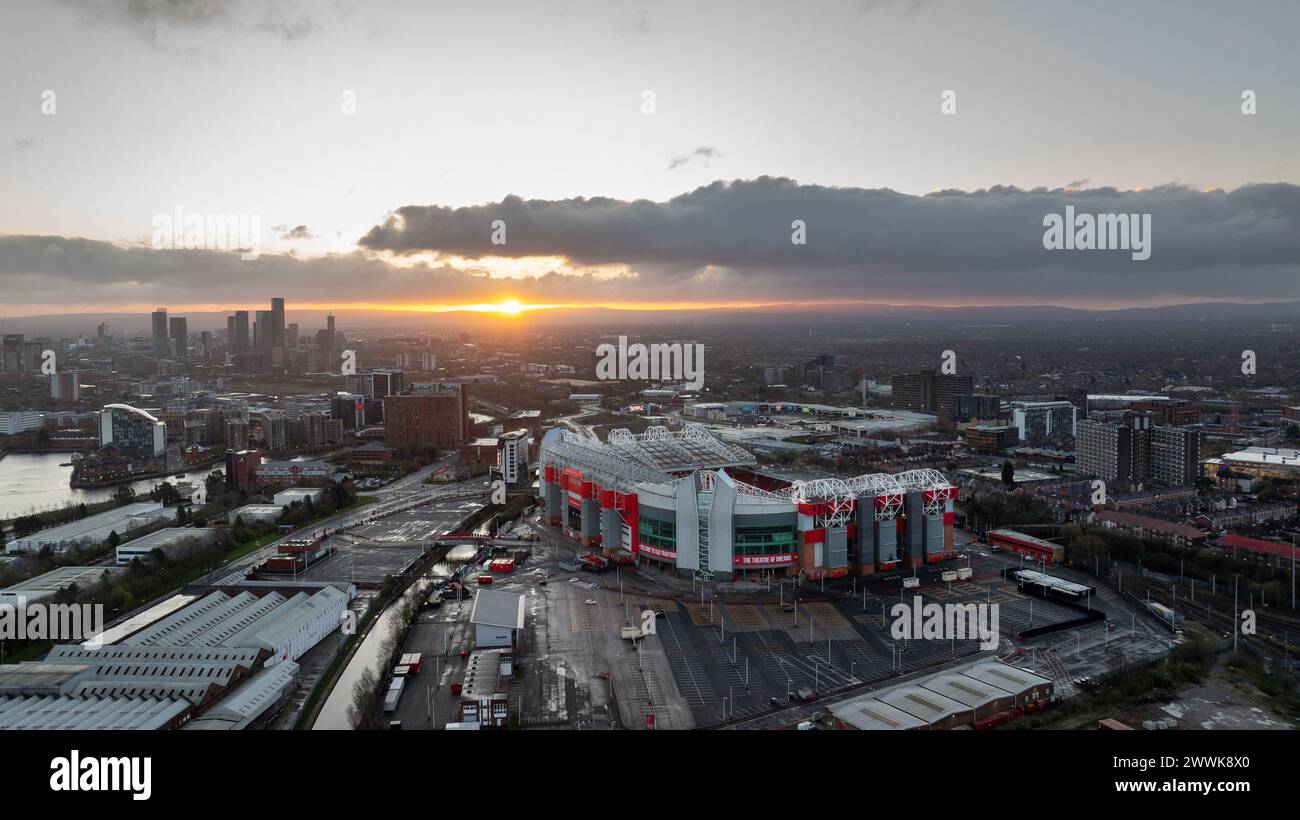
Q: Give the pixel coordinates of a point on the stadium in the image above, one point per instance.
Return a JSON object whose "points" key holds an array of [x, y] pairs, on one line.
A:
{"points": [[688, 501]]}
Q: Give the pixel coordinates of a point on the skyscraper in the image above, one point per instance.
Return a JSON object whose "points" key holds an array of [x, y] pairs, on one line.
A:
{"points": [[239, 344], [161, 343], [277, 322], [180, 337]]}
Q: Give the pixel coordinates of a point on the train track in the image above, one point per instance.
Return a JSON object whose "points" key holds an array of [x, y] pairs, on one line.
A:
{"points": [[1215, 610]]}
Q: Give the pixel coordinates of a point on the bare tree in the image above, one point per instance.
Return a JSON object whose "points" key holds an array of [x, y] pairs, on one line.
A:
{"points": [[364, 711]]}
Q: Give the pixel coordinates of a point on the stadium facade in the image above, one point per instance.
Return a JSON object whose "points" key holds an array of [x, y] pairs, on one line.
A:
{"points": [[689, 501]]}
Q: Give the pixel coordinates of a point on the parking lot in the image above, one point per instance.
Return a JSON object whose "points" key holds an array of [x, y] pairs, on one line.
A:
{"points": [[370, 551]]}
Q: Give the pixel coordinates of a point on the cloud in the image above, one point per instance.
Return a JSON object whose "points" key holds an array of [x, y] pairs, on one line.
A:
{"points": [[300, 232], [704, 153], [724, 242], [172, 25], [984, 245]]}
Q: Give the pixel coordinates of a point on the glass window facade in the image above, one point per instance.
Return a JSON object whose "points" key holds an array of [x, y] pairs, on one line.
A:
{"points": [[656, 533], [772, 540]]}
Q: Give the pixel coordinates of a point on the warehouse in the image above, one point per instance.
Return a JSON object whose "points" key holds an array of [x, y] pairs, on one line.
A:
{"points": [[256, 514], [1027, 545], [47, 585], [981, 694], [225, 659], [297, 494], [691, 502], [497, 617], [172, 541], [91, 531]]}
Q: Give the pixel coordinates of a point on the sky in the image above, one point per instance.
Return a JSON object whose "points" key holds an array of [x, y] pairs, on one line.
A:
{"points": [[644, 153]]}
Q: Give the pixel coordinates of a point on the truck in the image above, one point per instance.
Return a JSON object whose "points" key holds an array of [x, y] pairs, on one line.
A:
{"points": [[393, 695], [595, 563], [948, 576], [911, 583], [629, 632], [805, 694], [411, 661], [964, 573]]}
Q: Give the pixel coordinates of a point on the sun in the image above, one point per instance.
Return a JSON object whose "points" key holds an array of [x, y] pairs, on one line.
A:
{"points": [[510, 307]]}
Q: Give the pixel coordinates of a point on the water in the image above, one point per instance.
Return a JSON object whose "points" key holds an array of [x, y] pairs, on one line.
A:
{"points": [[34, 482]]}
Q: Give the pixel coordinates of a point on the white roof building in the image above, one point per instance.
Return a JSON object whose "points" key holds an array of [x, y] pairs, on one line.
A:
{"points": [[92, 530], [44, 586]]}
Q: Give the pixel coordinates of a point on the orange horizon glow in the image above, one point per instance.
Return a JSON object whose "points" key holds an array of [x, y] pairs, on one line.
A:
{"points": [[512, 308]]}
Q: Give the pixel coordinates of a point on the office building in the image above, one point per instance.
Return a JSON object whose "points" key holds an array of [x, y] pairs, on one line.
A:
{"points": [[929, 391], [134, 432], [161, 335], [1039, 422]]}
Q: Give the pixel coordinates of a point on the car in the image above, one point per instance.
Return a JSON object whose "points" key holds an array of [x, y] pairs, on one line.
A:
{"points": [[787, 607], [773, 702], [818, 716], [805, 726], [590, 602], [542, 583]]}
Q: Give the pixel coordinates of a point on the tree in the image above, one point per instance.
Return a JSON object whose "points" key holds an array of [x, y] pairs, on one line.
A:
{"points": [[1008, 473], [363, 712], [114, 539], [124, 494]]}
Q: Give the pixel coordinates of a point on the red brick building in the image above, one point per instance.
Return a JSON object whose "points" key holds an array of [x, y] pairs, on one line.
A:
{"points": [[435, 415]]}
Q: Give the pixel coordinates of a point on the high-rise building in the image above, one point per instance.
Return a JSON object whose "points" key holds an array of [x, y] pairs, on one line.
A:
{"points": [[291, 336], [928, 391], [976, 406], [1043, 421], [437, 416], [240, 341], [1174, 455], [135, 432], [161, 337], [1105, 450], [277, 322], [1136, 450], [65, 385], [262, 333], [180, 337]]}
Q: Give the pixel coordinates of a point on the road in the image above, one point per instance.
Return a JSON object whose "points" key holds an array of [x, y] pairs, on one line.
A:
{"points": [[402, 493]]}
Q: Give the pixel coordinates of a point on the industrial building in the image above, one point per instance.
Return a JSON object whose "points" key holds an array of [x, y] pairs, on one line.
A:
{"points": [[297, 494], [90, 531], [497, 617], [171, 541], [979, 695], [483, 699], [48, 584], [691, 502], [1256, 462], [1026, 545], [218, 662]]}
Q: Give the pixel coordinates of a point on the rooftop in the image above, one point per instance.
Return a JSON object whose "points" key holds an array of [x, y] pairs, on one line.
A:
{"points": [[492, 608]]}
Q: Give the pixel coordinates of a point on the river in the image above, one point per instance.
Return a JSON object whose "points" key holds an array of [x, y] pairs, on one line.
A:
{"points": [[34, 482]]}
